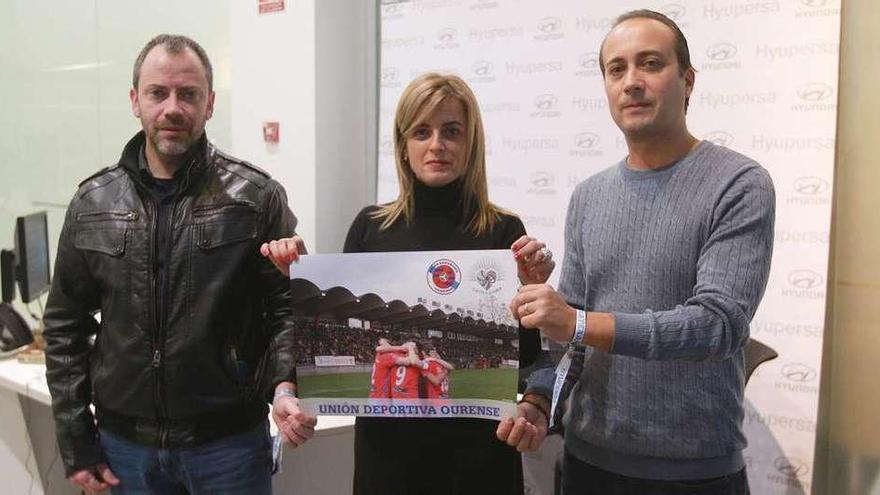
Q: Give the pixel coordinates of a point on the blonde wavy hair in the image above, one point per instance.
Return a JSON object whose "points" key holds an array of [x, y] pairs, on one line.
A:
{"points": [[419, 100]]}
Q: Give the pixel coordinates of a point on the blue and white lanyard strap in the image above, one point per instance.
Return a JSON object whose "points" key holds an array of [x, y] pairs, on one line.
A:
{"points": [[277, 452], [563, 368]]}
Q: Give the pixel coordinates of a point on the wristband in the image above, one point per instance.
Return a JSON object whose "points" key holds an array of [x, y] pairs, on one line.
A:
{"points": [[537, 405], [580, 328], [284, 392]]}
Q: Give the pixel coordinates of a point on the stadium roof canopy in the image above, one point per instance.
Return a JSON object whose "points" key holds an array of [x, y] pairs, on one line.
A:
{"points": [[339, 303]]}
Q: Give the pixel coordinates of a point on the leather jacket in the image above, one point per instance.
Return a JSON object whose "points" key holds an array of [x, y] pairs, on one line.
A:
{"points": [[185, 351]]}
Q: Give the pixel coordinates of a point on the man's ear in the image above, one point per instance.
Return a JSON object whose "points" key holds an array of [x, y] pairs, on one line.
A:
{"points": [[133, 96], [210, 110], [690, 77]]}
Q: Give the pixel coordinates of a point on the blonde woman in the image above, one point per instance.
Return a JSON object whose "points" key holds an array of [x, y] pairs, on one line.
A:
{"points": [[443, 204]]}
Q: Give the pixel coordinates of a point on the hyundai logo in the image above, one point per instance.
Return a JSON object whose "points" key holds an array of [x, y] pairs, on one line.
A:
{"points": [[805, 279], [389, 74], [550, 24], [673, 11], [814, 3], [790, 466], [815, 92], [542, 179], [545, 102], [482, 68], [720, 138], [586, 140], [391, 8], [798, 372], [386, 143], [721, 51], [811, 186], [447, 35], [589, 61]]}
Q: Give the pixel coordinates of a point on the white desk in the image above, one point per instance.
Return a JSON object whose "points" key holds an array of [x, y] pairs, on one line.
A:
{"points": [[26, 379], [29, 461]]}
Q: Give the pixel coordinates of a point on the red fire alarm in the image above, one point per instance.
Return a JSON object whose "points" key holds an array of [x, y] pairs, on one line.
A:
{"points": [[268, 6], [270, 132]]}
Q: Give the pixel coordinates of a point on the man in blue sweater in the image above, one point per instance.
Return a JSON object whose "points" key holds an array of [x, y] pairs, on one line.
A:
{"points": [[667, 255]]}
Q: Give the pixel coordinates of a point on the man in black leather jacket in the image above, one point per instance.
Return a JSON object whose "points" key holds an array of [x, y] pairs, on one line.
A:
{"points": [[191, 340]]}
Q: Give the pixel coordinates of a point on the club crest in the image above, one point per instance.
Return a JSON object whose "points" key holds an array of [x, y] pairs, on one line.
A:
{"points": [[444, 276], [487, 275], [486, 278]]}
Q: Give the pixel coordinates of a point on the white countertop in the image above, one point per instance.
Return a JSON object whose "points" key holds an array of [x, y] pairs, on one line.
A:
{"points": [[26, 379]]}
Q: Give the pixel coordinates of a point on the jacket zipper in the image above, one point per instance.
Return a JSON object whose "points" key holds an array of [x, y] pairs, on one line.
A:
{"points": [[159, 309], [163, 308], [233, 354], [157, 352], [201, 211], [122, 215]]}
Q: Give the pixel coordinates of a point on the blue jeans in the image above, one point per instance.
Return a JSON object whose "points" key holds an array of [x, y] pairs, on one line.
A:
{"points": [[238, 464]]}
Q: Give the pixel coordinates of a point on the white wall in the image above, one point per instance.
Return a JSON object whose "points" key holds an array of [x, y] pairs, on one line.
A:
{"points": [[311, 67], [66, 71], [346, 115], [308, 68], [273, 73]]}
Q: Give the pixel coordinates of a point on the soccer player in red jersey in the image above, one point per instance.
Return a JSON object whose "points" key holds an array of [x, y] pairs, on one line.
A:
{"points": [[437, 373], [406, 377], [387, 357]]}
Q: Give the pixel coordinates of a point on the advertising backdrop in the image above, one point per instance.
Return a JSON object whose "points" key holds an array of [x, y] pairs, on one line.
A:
{"points": [[766, 86]]}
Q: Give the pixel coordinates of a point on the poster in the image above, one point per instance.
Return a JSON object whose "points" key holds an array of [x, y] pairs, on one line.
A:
{"points": [[406, 334]]}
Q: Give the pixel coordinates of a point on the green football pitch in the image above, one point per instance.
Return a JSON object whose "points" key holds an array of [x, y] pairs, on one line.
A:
{"points": [[493, 383]]}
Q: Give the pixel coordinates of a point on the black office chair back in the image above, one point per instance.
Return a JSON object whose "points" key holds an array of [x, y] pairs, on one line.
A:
{"points": [[14, 330], [757, 352]]}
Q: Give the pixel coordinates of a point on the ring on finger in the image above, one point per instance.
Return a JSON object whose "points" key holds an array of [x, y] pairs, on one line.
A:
{"points": [[547, 254]]}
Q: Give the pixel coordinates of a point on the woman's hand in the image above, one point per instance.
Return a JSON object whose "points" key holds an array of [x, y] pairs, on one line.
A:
{"points": [[534, 261], [283, 252]]}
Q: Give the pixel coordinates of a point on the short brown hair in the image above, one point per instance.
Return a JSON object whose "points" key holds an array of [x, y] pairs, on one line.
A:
{"points": [[174, 43], [682, 53]]}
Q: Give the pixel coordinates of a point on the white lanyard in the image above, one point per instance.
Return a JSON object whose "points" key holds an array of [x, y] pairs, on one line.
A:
{"points": [[564, 365]]}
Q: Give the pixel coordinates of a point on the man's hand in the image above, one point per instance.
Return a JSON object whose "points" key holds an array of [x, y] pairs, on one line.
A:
{"points": [[541, 307], [283, 252], [534, 262], [527, 432], [295, 426], [94, 479]]}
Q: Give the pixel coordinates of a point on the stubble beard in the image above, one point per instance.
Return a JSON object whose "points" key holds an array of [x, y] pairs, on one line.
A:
{"points": [[170, 147]]}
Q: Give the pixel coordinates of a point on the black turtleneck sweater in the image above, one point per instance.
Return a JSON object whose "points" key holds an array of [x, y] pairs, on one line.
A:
{"points": [[434, 456], [439, 223]]}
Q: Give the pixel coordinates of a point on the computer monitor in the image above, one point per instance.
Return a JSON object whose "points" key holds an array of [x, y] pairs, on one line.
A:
{"points": [[29, 263]]}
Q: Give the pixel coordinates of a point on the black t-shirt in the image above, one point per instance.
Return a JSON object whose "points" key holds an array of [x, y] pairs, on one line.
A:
{"points": [[163, 192]]}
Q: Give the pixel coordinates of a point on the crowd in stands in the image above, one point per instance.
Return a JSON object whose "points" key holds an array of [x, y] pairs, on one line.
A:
{"points": [[328, 338]]}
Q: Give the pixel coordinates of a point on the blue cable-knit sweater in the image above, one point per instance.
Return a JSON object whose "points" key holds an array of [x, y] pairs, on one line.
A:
{"points": [[680, 256]]}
